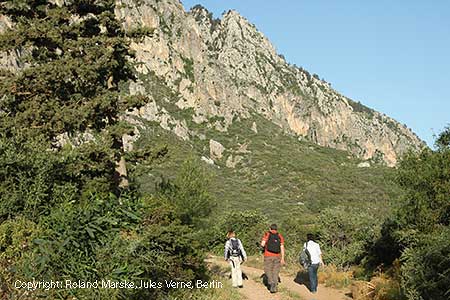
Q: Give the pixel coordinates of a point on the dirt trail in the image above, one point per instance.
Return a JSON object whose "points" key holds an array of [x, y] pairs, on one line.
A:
{"points": [[255, 290]]}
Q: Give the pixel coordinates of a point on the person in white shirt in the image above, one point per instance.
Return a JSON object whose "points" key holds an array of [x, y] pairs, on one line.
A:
{"points": [[235, 254], [316, 261]]}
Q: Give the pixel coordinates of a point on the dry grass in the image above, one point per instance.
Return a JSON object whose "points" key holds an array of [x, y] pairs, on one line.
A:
{"points": [[379, 288], [330, 276], [382, 286]]}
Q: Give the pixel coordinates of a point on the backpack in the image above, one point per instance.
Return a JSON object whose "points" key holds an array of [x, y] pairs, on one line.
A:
{"points": [[235, 249], [273, 243], [305, 257]]}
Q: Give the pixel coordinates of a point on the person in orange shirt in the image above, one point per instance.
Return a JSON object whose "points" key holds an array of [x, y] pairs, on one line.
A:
{"points": [[273, 244]]}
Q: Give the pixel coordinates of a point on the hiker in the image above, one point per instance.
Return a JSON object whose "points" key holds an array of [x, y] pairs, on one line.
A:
{"points": [[235, 254], [273, 244], [315, 260]]}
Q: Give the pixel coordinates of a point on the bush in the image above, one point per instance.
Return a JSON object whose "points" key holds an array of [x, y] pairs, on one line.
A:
{"points": [[62, 220], [426, 267], [331, 276], [346, 234], [295, 228], [419, 229], [123, 238], [189, 193], [248, 225]]}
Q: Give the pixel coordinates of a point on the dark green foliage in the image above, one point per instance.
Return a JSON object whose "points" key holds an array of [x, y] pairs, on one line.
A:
{"points": [[346, 233], [426, 179], [34, 178], [65, 223], [418, 232], [27, 176], [60, 220], [209, 15], [140, 32], [73, 68], [189, 69], [106, 238], [295, 226], [443, 141], [358, 107], [248, 225], [189, 192], [386, 248], [426, 267]]}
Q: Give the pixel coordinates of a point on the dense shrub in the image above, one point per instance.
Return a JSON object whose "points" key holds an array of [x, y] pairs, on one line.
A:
{"points": [[294, 229], [248, 225], [420, 227], [189, 193], [346, 233], [426, 267], [113, 238], [59, 222]]}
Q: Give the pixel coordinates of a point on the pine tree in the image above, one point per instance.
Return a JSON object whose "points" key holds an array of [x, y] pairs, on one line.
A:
{"points": [[75, 57]]}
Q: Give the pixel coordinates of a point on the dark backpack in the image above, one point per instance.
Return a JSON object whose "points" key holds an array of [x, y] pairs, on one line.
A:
{"points": [[273, 243], [305, 257], [235, 249]]}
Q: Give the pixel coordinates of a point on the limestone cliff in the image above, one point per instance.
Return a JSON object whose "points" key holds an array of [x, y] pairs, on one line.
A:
{"points": [[228, 69], [216, 72]]}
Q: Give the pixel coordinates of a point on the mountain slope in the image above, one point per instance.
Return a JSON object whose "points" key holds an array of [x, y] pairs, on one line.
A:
{"points": [[222, 71], [296, 177]]}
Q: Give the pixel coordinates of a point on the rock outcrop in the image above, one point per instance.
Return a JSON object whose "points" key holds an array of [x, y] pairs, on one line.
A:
{"points": [[216, 149]]}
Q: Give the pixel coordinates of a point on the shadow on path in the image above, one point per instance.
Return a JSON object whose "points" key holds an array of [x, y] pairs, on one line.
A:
{"points": [[302, 278]]}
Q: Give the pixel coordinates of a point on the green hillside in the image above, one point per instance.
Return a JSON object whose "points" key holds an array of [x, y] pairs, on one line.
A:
{"points": [[277, 173]]}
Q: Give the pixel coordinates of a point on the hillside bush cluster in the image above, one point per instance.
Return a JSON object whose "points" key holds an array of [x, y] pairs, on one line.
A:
{"points": [[347, 234], [53, 227], [423, 222], [416, 232], [248, 225]]}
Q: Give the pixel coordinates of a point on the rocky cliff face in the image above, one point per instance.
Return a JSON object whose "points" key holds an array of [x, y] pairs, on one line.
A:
{"points": [[226, 70], [216, 72]]}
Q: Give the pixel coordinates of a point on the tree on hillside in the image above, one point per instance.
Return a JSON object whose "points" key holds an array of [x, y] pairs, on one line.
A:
{"points": [[189, 193], [74, 58], [426, 179], [420, 229], [443, 140]]}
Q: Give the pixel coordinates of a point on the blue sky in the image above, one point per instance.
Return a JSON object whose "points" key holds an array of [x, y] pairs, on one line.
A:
{"points": [[393, 56]]}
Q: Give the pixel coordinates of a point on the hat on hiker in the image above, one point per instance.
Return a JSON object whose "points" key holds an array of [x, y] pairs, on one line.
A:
{"points": [[273, 227]]}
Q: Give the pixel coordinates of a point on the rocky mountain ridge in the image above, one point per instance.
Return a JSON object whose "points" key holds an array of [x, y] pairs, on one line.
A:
{"points": [[200, 71], [226, 70]]}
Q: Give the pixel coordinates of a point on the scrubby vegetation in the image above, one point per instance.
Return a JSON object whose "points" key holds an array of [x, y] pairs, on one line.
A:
{"points": [[412, 242]]}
